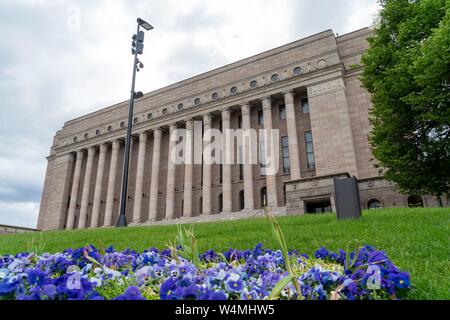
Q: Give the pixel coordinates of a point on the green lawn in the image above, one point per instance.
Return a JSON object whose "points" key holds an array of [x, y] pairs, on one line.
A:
{"points": [[417, 240]]}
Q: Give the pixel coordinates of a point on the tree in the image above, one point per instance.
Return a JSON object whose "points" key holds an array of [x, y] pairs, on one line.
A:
{"points": [[407, 72]]}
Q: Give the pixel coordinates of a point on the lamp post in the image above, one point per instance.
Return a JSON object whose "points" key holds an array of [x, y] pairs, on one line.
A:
{"points": [[137, 49]]}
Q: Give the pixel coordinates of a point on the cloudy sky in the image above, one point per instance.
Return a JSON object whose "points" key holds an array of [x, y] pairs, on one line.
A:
{"points": [[61, 59]]}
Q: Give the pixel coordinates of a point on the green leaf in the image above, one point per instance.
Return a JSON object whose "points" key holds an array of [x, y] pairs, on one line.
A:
{"points": [[276, 291]]}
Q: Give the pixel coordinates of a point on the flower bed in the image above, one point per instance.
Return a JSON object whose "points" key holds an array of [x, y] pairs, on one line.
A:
{"points": [[89, 273]]}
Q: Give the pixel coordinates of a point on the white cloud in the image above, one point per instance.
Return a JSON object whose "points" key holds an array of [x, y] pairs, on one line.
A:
{"points": [[52, 71], [19, 213]]}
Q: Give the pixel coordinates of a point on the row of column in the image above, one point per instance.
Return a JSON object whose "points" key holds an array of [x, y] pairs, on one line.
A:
{"points": [[188, 175]]}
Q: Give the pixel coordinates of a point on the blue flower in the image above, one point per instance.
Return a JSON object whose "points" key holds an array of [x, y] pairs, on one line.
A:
{"points": [[133, 293], [234, 283], [401, 280], [36, 277], [322, 253], [167, 289], [8, 285], [50, 291]]}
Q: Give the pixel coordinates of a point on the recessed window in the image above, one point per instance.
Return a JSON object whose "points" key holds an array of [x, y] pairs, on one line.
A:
{"points": [[305, 105], [239, 122], [122, 124], [310, 150], [75, 139], [180, 107], [275, 77], [373, 204], [149, 116], [110, 128], [261, 118], [233, 90], [282, 112], [165, 111], [253, 84], [297, 71], [215, 96], [285, 155], [262, 158], [135, 120], [197, 101], [97, 132], [86, 135]]}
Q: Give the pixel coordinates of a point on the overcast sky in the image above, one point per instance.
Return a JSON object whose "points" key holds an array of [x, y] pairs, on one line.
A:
{"points": [[61, 59]]}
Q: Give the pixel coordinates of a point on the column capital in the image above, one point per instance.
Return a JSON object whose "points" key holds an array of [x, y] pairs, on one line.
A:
{"points": [[189, 124], [226, 113], [80, 154], [207, 119], [103, 148], [116, 144], [288, 97], [267, 102], [157, 133], [91, 151], [246, 108], [143, 137], [173, 127]]}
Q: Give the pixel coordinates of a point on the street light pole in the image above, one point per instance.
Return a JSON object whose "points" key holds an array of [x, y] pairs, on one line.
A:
{"points": [[138, 48]]}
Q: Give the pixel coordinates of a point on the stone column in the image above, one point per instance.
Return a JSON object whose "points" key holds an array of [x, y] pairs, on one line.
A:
{"points": [[188, 168], [86, 189], [138, 195], [154, 188], [171, 168], [248, 167], [226, 163], [75, 189], [98, 186], [206, 167], [111, 184], [291, 123], [272, 197]]}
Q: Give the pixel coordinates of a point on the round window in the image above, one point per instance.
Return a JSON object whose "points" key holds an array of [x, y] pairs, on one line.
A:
{"points": [[97, 132], [149, 116], [275, 77], [135, 120], [253, 84], [75, 139], [109, 128], [297, 71], [164, 111], [215, 96], [233, 90], [86, 135], [122, 124], [197, 101], [180, 107]]}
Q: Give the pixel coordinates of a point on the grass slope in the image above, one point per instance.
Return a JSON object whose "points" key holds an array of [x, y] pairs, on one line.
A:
{"points": [[417, 240]]}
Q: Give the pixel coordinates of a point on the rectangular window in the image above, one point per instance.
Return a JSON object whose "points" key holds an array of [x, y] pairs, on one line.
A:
{"points": [[261, 118], [285, 154], [221, 174], [239, 122], [240, 158], [310, 150], [282, 110], [305, 105], [262, 157]]}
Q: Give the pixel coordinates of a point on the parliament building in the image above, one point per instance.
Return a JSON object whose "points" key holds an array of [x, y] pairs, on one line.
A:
{"points": [[309, 90]]}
